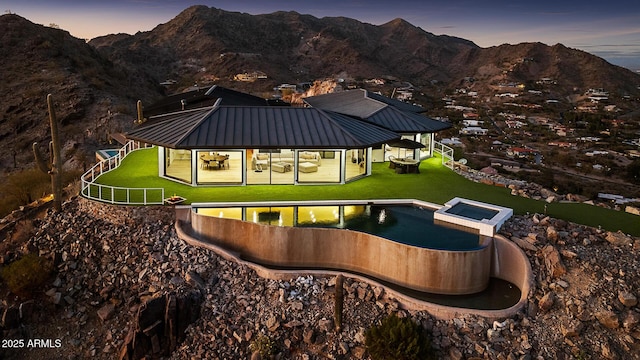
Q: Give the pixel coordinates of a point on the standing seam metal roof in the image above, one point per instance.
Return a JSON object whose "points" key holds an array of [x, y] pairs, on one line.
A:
{"points": [[379, 110], [261, 127]]}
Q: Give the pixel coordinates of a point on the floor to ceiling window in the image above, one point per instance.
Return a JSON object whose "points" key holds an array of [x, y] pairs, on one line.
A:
{"points": [[270, 166], [425, 139], [220, 167], [319, 166], [356, 163], [177, 164]]}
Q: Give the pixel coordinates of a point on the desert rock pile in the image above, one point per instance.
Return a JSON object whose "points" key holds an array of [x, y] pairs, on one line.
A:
{"points": [[113, 261]]}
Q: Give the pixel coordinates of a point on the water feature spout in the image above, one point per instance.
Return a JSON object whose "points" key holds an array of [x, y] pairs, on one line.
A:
{"points": [[382, 216]]}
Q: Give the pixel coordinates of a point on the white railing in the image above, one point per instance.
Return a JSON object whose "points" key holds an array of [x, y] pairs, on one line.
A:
{"points": [[114, 194], [445, 152]]}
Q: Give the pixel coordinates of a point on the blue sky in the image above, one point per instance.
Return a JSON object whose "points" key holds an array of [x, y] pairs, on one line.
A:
{"points": [[610, 29]]}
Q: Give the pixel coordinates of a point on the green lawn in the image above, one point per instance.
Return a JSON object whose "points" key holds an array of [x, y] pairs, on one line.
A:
{"points": [[435, 183]]}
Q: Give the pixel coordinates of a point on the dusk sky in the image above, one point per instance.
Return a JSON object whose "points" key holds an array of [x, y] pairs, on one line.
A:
{"points": [[610, 29]]}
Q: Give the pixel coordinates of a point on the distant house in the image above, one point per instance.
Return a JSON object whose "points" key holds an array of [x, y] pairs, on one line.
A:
{"points": [[562, 144], [514, 124], [596, 152], [511, 95], [472, 122], [597, 95], [474, 130], [521, 152], [250, 77], [454, 141]]}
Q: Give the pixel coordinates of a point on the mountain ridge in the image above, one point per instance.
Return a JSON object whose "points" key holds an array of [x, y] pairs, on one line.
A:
{"points": [[289, 46]]}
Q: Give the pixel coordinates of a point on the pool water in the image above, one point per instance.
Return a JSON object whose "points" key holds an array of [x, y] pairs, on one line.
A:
{"points": [[405, 224], [408, 225], [472, 211]]}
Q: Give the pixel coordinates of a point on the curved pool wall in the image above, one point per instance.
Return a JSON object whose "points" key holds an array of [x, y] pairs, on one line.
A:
{"points": [[498, 258]]}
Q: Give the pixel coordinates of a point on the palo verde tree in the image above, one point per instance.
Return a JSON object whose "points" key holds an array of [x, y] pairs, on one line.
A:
{"points": [[54, 167]]}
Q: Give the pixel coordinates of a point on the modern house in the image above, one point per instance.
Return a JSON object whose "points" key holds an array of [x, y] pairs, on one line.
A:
{"points": [[259, 144], [402, 118]]}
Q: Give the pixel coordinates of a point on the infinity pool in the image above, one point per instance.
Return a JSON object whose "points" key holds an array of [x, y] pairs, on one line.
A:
{"points": [[430, 242], [405, 224]]}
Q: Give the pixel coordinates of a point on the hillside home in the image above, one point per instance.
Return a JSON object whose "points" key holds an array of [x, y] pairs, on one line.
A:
{"points": [[472, 122], [235, 144], [474, 130], [521, 152]]}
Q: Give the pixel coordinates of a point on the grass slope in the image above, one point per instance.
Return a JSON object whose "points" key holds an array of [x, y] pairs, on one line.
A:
{"points": [[435, 183]]}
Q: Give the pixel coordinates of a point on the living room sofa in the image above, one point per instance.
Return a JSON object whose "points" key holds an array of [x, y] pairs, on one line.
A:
{"points": [[266, 159]]}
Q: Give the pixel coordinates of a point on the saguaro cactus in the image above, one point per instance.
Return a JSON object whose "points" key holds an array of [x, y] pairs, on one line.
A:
{"points": [[339, 302], [54, 167]]}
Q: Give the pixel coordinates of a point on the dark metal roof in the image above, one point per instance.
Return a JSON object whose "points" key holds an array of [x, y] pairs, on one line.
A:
{"points": [[204, 97], [406, 144], [352, 102], [379, 110], [403, 122], [400, 105], [261, 127]]}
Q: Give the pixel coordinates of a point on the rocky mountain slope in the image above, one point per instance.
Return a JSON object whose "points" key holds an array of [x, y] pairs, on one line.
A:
{"points": [[87, 88], [583, 304]]}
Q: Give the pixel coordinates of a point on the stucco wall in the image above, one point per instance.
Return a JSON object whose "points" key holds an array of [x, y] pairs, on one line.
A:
{"points": [[435, 271]]}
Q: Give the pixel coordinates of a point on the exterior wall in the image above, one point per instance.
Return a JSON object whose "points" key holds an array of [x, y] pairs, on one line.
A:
{"points": [[435, 271]]}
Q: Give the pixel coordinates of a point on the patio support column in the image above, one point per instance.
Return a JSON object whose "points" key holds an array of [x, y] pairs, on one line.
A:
{"points": [[161, 160], [416, 152], [369, 160], [194, 168], [343, 166], [432, 144], [245, 164]]}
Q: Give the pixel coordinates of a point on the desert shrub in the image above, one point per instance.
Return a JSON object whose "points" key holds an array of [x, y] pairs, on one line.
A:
{"points": [[264, 345], [22, 231], [398, 339], [26, 275], [22, 187]]}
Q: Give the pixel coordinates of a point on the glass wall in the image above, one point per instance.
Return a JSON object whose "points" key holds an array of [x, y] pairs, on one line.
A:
{"points": [[177, 164], [270, 166], [356, 163], [319, 166], [220, 167], [425, 139]]}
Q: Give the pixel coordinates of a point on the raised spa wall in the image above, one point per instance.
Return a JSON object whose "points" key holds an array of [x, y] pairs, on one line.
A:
{"points": [[428, 270]]}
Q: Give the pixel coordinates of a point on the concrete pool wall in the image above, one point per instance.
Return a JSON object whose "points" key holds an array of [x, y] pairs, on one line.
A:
{"points": [[428, 270], [507, 262]]}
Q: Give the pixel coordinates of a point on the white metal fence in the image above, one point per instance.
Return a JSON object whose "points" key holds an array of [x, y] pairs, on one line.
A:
{"points": [[446, 152], [114, 194]]}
